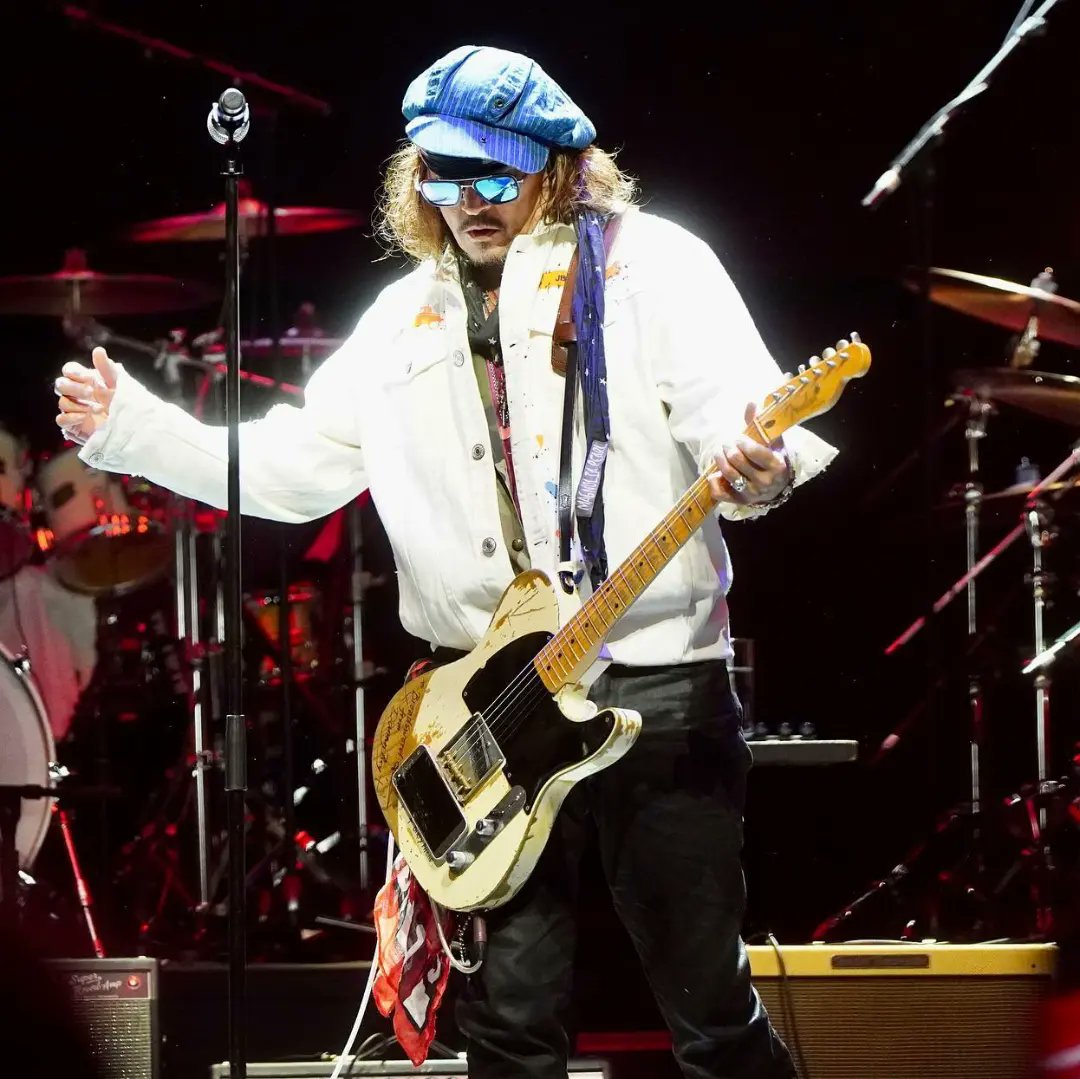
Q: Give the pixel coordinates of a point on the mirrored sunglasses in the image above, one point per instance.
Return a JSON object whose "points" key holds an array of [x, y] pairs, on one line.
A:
{"points": [[495, 190]]}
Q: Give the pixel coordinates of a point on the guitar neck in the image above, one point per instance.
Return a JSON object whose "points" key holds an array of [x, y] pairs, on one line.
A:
{"points": [[814, 390], [564, 658]]}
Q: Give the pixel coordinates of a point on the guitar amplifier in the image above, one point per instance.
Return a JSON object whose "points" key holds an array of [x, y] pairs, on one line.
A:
{"points": [[115, 1001], [906, 1011], [387, 1069]]}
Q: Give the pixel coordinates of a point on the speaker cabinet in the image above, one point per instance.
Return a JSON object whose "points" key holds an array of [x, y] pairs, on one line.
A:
{"points": [[115, 1001], [387, 1069], [906, 1011]]}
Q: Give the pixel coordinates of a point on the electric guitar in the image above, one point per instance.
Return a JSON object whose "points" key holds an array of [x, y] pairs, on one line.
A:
{"points": [[471, 761]]}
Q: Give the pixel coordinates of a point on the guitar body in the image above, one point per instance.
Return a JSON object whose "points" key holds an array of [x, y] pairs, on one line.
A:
{"points": [[471, 761]]}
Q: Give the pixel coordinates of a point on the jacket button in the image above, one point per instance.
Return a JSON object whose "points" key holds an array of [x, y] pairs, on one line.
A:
{"points": [[459, 357], [97, 458], [488, 546], [477, 452]]}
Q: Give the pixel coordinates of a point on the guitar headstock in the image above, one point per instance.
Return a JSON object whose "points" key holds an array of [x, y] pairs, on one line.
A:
{"points": [[815, 388]]}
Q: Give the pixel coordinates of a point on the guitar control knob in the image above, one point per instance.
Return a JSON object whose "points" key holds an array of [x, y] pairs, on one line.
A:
{"points": [[486, 827], [459, 859]]}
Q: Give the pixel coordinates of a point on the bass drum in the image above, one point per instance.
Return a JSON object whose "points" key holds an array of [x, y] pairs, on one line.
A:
{"points": [[26, 751]]}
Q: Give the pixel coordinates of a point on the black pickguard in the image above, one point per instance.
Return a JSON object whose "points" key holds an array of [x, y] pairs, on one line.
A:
{"points": [[534, 736]]}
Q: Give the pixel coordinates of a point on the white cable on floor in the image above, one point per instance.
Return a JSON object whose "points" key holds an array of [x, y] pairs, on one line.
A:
{"points": [[372, 973]]}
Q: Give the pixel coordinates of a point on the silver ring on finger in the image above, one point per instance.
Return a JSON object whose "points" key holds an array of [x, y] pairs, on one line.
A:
{"points": [[738, 485]]}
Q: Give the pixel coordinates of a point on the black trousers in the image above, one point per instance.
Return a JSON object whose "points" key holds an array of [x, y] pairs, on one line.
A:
{"points": [[669, 820]]}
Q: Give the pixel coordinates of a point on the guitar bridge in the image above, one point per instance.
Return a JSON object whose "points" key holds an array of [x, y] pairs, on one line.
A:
{"points": [[471, 758]]}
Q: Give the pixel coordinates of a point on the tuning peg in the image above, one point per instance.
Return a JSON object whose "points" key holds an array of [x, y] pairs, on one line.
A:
{"points": [[842, 344], [802, 367], [855, 338], [828, 353]]}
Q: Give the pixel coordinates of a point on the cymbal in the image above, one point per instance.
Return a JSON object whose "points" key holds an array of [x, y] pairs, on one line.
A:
{"points": [[1017, 493], [1003, 303], [76, 289], [253, 216], [1057, 397]]}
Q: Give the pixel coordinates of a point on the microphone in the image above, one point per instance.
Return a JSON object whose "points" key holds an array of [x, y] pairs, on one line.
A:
{"points": [[886, 184], [229, 118]]}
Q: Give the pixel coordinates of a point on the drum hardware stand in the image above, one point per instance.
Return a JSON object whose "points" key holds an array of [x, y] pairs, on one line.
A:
{"points": [[1026, 349], [11, 796], [1039, 536], [270, 251], [81, 888], [188, 782], [1033, 524], [355, 631], [10, 810], [1005, 542], [188, 631], [975, 430]]}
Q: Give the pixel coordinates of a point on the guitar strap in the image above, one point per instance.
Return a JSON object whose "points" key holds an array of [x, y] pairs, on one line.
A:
{"points": [[564, 359]]}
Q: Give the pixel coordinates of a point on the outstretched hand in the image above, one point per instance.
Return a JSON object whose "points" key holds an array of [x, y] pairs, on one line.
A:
{"points": [[86, 395]]}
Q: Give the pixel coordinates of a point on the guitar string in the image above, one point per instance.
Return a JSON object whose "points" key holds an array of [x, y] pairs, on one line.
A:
{"points": [[528, 681], [512, 694], [521, 683], [510, 697]]}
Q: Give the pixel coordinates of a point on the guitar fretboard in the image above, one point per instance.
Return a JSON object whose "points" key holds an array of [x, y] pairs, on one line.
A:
{"points": [[561, 660]]}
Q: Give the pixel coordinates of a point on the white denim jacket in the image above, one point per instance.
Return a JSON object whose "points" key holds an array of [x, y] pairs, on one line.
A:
{"points": [[397, 410]]}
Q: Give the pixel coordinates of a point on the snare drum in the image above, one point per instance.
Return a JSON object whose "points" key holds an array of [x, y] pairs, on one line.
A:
{"points": [[100, 544], [16, 538], [27, 752]]}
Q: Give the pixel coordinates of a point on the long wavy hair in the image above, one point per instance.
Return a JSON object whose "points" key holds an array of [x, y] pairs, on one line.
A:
{"points": [[573, 180]]}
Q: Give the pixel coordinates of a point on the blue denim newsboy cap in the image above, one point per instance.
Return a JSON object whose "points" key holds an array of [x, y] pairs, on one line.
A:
{"points": [[480, 102]]}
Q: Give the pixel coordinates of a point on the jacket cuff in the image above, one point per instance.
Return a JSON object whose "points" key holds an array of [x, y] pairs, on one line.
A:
{"points": [[132, 410], [809, 456]]}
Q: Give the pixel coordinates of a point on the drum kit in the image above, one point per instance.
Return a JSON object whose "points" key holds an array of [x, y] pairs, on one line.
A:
{"points": [[121, 544], [996, 866]]}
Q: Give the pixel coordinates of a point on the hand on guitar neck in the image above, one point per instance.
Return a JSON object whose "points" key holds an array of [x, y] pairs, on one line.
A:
{"points": [[755, 473]]}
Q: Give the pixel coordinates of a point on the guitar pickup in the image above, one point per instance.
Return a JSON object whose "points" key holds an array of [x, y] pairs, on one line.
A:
{"points": [[471, 758]]}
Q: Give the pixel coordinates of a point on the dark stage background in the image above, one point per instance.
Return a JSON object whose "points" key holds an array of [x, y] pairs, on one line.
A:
{"points": [[759, 127]]}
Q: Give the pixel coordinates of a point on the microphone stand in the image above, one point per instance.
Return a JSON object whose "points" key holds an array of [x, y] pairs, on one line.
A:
{"points": [[228, 123], [889, 180]]}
